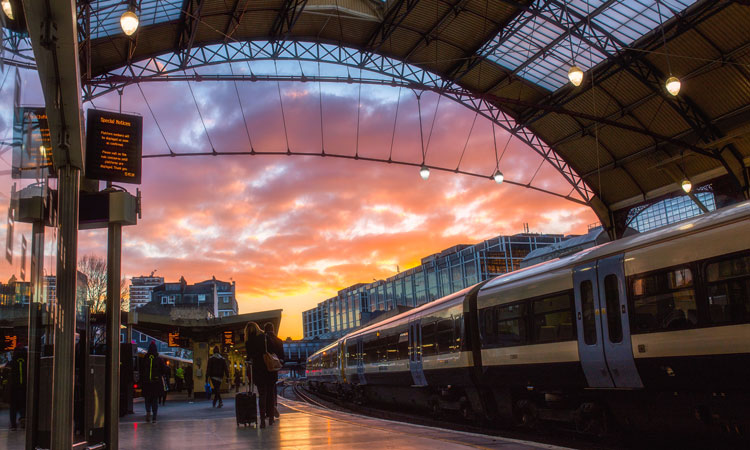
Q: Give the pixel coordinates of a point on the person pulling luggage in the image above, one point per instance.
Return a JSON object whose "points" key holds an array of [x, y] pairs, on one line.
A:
{"points": [[255, 348], [216, 371]]}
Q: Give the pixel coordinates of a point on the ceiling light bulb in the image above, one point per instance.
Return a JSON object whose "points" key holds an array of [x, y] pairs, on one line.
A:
{"points": [[498, 177], [129, 22], [424, 172], [673, 85], [575, 75], [7, 9], [687, 186]]}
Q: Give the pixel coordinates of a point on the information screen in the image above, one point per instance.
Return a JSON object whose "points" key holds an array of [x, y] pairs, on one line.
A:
{"points": [[113, 146], [228, 338], [32, 148]]}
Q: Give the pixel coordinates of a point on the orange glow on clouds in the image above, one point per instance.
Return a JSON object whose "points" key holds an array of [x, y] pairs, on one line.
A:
{"points": [[292, 231]]}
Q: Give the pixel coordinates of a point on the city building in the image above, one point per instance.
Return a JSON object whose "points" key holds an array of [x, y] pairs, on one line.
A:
{"points": [[439, 275], [140, 289], [210, 298]]}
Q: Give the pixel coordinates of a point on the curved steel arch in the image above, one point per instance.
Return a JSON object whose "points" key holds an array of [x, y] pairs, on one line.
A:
{"points": [[395, 72]]}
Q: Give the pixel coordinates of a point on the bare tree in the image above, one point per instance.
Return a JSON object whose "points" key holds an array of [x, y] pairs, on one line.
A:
{"points": [[95, 290]]}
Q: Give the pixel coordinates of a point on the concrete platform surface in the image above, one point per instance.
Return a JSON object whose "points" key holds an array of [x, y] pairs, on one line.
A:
{"points": [[184, 426]]}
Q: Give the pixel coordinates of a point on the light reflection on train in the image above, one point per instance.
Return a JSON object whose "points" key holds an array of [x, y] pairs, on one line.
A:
{"points": [[650, 332]]}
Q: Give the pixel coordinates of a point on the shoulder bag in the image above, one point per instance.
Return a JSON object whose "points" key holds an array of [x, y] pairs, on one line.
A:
{"points": [[272, 361]]}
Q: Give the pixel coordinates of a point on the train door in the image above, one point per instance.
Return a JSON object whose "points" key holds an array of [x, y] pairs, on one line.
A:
{"points": [[361, 362], [588, 323], [415, 354], [342, 361], [616, 336]]}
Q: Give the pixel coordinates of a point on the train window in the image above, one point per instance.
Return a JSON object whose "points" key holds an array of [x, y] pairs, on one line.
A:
{"points": [[511, 325], [428, 339], [664, 300], [459, 326], [446, 342], [728, 286], [403, 345], [352, 355], [587, 306], [614, 319], [553, 319], [487, 326]]}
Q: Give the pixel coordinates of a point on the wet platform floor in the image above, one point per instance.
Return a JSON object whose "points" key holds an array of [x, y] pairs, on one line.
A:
{"points": [[184, 426]]}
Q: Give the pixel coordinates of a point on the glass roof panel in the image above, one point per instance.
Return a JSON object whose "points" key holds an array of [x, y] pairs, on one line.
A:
{"points": [[537, 46], [105, 15]]}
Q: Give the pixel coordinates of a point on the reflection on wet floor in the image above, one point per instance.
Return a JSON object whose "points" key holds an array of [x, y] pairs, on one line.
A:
{"points": [[185, 426]]}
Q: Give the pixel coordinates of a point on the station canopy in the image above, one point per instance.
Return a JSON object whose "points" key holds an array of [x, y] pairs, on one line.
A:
{"points": [[620, 138]]}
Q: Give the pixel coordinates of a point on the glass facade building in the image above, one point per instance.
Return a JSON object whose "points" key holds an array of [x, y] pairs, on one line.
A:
{"points": [[669, 211], [438, 275]]}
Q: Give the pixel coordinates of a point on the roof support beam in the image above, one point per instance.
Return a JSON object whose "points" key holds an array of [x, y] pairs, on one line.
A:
{"points": [[393, 18], [285, 20], [235, 19], [189, 27], [434, 32]]}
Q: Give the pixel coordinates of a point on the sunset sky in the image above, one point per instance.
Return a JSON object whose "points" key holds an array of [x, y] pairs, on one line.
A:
{"points": [[291, 231]]}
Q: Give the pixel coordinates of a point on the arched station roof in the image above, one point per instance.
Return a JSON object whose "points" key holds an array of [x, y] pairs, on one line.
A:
{"points": [[620, 138]]}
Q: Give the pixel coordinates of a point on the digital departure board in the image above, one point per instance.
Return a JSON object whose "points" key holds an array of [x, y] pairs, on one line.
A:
{"points": [[113, 146], [10, 342], [174, 339]]}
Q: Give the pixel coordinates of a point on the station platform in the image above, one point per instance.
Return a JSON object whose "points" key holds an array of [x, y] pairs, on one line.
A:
{"points": [[197, 425]]}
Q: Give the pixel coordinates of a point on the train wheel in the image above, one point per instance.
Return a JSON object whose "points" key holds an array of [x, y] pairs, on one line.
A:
{"points": [[592, 419], [526, 414]]}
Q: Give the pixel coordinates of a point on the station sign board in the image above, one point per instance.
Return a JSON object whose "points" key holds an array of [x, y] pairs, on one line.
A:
{"points": [[10, 342], [228, 338], [173, 338], [32, 146], [114, 146]]}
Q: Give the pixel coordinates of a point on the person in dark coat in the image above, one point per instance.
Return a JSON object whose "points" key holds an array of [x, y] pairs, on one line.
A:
{"points": [[276, 347], [216, 371], [17, 386], [255, 348], [150, 374]]}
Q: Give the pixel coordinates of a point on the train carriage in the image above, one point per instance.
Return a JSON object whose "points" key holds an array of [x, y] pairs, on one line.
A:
{"points": [[652, 330]]}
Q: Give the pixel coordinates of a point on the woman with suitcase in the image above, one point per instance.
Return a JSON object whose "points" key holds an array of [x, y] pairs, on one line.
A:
{"points": [[255, 348]]}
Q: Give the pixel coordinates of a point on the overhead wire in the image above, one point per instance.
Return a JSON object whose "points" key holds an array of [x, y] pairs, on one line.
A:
{"points": [[200, 115], [242, 110], [281, 104], [171, 152], [395, 120]]}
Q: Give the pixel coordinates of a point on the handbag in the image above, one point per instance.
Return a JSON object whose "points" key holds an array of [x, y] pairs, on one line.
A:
{"points": [[272, 361]]}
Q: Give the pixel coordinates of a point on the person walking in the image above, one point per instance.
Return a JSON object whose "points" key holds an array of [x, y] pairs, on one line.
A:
{"points": [[151, 373], [276, 347], [255, 348], [189, 384], [17, 386], [215, 372], [179, 378]]}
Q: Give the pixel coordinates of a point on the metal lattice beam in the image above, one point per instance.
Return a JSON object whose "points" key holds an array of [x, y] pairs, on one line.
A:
{"points": [[315, 52]]}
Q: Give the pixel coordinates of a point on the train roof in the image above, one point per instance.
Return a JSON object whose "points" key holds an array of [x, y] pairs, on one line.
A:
{"points": [[437, 304], [729, 214]]}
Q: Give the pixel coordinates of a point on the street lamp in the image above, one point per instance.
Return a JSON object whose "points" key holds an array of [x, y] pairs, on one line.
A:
{"points": [[498, 177], [129, 21], [673, 85], [575, 75], [687, 186], [7, 9], [424, 172]]}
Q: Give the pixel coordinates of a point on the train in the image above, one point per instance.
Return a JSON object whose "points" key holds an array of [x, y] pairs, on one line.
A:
{"points": [[649, 332]]}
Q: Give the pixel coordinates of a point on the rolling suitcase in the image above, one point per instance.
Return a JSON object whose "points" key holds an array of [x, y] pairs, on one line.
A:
{"points": [[246, 405]]}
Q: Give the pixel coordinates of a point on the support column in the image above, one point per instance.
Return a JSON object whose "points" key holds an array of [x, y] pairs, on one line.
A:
{"points": [[35, 334], [63, 376], [112, 382]]}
